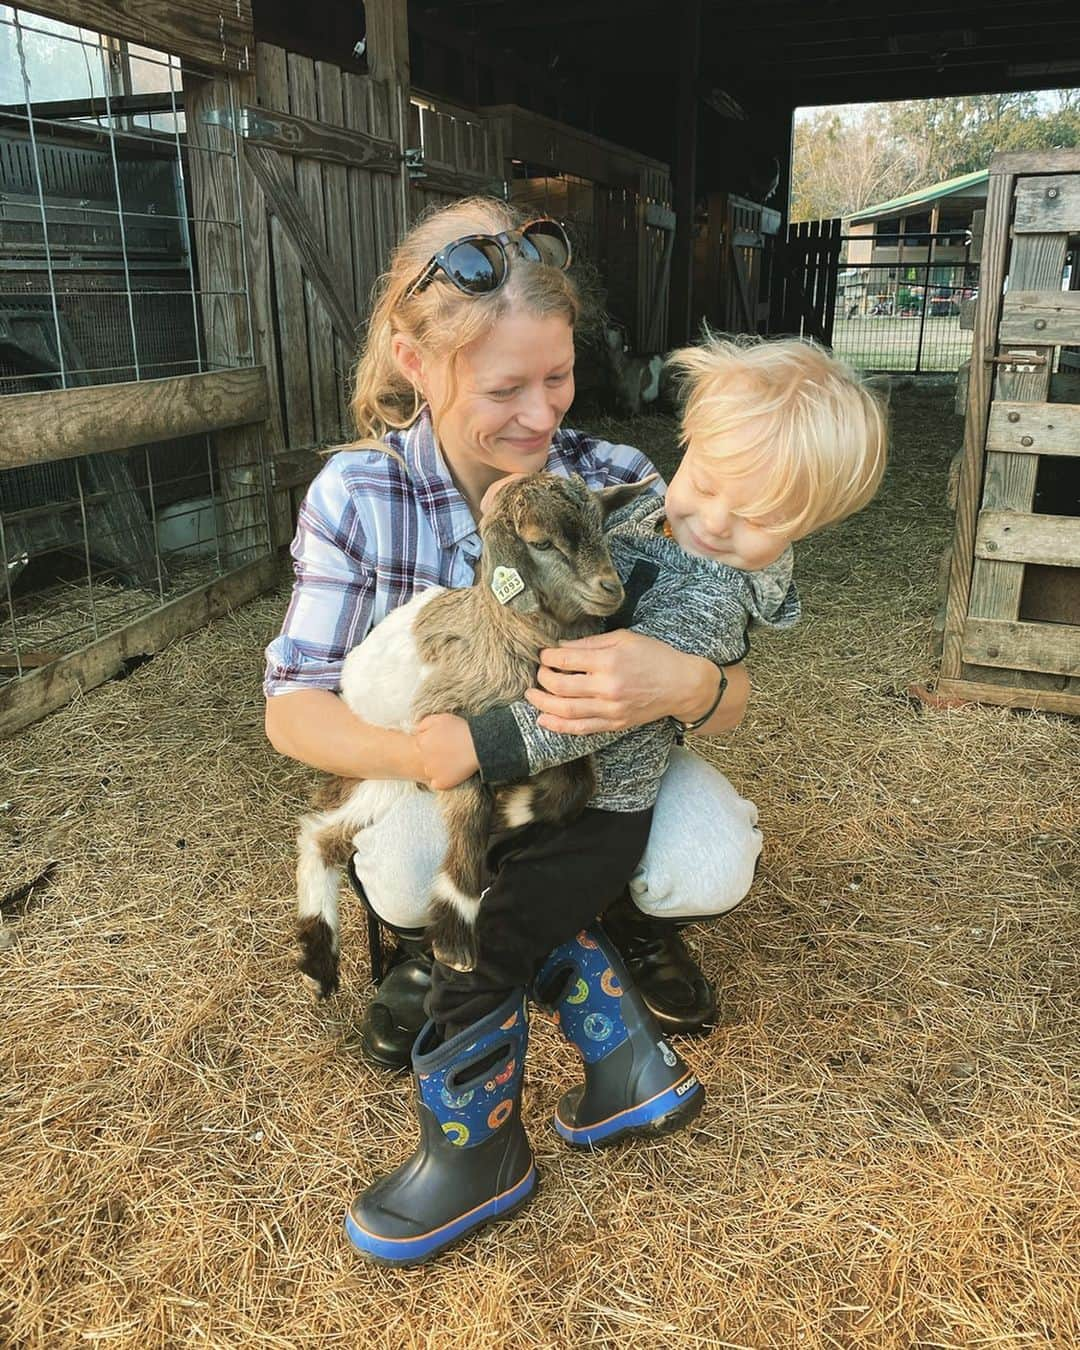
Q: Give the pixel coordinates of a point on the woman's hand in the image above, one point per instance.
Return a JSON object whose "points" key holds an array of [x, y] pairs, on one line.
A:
{"points": [[446, 750], [623, 679]]}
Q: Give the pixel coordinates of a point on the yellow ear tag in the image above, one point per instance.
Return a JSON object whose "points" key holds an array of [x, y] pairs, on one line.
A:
{"points": [[506, 582]]}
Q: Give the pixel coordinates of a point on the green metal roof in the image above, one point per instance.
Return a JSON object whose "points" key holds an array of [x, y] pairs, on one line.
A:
{"points": [[949, 188]]}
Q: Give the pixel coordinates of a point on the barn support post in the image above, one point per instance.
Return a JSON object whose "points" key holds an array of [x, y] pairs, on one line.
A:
{"points": [[214, 158], [685, 184], [388, 62]]}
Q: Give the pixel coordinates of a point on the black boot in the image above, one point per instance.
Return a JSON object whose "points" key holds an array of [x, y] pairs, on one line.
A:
{"points": [[393, 1018], [664, 973], [473, 1163], [635, 1083]]}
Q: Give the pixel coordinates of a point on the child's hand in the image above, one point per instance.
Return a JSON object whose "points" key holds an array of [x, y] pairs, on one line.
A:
{"points": [[446, 749]]}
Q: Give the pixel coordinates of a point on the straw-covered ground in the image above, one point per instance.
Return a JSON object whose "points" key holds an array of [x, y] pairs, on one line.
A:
{"points": [[889, 1152]]}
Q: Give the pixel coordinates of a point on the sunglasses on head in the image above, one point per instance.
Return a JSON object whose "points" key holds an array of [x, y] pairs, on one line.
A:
{"points": [[479, 263]]}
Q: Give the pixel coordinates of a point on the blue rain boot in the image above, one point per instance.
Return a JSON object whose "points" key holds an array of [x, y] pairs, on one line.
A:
{"points": [[473, 1163], [635, 1084]]}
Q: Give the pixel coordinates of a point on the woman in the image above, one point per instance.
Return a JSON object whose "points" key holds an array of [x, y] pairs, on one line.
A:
{"points": [[435, 351], [465, 377]]}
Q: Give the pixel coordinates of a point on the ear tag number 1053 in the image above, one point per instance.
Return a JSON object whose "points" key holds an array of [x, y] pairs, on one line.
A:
{"points": [[506, 582]]}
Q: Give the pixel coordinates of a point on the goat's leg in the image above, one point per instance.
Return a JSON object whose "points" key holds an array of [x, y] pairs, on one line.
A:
{"points": [[322, 851], [456, 893], [562, 793]]}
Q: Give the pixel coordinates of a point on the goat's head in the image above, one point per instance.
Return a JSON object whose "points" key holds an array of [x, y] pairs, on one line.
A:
{"points": [[550, 531]]}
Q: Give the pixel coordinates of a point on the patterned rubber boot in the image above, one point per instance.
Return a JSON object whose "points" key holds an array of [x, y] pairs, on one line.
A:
{"points": [[473, 1163], [635, 1083]]}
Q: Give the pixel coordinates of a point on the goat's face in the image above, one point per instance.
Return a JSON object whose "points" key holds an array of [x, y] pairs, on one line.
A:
{"points": [[550, 530]]}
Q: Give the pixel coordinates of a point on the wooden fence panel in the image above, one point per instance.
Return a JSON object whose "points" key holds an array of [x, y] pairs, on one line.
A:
{"points": [[1011, 631]]}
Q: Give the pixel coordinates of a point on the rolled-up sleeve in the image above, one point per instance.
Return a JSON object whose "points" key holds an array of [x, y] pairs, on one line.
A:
{"points": [[331, 606]]}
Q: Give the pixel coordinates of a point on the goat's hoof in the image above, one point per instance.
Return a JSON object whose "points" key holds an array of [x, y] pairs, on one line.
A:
{"points": [[318, 991], [317, 957], [456, 960]]}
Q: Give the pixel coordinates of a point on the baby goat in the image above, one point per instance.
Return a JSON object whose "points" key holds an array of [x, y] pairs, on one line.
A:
{"points": [[545, 576]]}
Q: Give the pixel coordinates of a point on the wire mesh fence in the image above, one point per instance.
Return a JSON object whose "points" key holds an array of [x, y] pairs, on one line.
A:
{"points": [[100, 283], [904, 316]]}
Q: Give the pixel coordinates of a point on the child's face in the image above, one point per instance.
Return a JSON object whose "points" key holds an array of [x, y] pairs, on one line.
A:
{"points": [[704, 509]]}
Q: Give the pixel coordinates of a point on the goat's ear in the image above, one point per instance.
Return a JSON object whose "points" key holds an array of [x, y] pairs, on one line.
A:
{"points": [[611, 498], [503, 547]]}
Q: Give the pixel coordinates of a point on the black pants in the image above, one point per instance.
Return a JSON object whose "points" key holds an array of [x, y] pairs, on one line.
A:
{"points": [[544, 885]]}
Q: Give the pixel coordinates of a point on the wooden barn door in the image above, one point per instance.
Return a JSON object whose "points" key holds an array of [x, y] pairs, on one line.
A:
{"points": [[806, 271], [1012, 631]]}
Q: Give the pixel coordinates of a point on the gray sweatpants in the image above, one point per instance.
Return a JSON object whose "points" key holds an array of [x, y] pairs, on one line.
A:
{"points": [[703, 846]]}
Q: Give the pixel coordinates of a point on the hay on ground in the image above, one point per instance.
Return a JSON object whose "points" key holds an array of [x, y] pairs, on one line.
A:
{"points": [[888, 1155]]}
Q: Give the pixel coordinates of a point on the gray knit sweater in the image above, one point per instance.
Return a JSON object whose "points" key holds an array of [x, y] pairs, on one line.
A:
{"points": [[696, 605]]}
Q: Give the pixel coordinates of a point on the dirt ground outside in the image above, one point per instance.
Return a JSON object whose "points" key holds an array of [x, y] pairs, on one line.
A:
{"points": [[889, 1155]]}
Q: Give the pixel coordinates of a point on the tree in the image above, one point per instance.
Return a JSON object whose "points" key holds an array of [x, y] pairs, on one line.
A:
{"points": [[851, 157]]}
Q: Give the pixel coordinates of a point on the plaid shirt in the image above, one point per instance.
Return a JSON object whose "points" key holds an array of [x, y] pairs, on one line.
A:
{"points": [[371, 533]]}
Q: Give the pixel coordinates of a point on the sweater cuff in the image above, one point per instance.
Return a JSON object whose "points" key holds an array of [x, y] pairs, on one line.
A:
{"points": [[499, 746]]}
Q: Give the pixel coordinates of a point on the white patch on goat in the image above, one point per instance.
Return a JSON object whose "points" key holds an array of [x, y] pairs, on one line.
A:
{"points": [[316, 883], [382, 676], [466, 905], [516, 806]]}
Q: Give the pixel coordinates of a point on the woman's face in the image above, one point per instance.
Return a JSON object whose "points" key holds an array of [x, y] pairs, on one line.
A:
{"points": [[513, 387]]}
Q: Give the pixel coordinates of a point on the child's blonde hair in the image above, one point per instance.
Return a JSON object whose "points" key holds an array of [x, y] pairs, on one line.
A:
{"points": [[801, 413], [441, 320]]}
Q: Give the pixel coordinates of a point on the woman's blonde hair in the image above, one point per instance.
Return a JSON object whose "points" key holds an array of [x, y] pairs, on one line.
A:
{"points": [[441, 320], [800, 413]]}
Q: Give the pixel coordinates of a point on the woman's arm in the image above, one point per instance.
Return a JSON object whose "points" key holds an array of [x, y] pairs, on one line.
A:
{"points": [[315, 727], [623, 679]]}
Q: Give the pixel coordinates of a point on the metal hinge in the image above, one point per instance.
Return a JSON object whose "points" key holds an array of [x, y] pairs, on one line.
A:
{"points": [[414, 162]]}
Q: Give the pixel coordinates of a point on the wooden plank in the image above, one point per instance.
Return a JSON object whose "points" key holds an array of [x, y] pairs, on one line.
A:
{"points": [[971, 691], [1034, 428], [264, 331], [538, 139], [63, 423], [24, 701], [1049, 205], [388, 60], [1047, 316], [335, 182], [299, 233], [1009, 480], [215, 33], [306, 138], [309, 189], [455, 182], [1053, 648], [228, 339], [1035, 161], [273, 91], [992, 279], [388, 213], [1053, 540], [361, 205]]}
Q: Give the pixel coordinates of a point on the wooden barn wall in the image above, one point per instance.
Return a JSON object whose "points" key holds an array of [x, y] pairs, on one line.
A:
{"points": [[215, 33], [462, 154]]}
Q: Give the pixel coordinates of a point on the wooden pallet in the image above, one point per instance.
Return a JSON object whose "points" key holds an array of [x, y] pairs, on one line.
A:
{"points": [[1012, 623]]}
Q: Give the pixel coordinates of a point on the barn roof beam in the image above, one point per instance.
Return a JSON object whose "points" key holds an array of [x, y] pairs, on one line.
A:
{"points": [[762, 18]]}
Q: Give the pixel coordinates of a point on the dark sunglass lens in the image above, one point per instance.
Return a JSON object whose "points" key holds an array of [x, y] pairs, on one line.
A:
{"points": [[544, 241], [475, 266]]}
